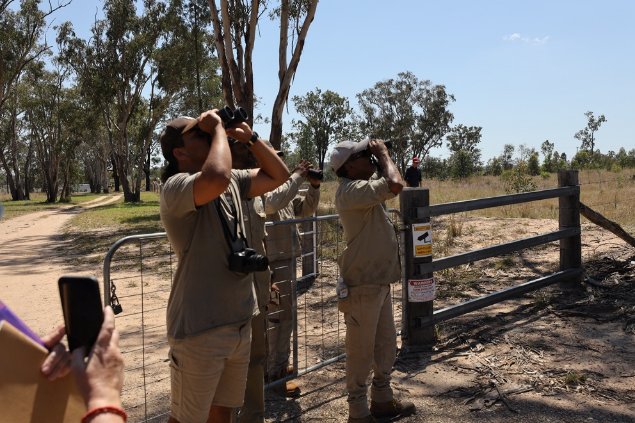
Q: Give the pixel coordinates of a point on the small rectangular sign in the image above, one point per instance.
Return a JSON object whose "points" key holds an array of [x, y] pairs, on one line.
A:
{"points": [[421, 290], [422, 240]]}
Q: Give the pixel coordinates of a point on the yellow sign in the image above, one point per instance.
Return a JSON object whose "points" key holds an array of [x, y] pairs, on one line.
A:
{"points": [[422, 240]]}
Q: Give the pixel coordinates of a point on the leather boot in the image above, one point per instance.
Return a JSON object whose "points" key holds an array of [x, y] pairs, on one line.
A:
{"points": [[390, 409], [288, 389]]}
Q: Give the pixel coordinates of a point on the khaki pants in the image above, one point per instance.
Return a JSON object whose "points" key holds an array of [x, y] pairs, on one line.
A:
{"points": [[281, 319], [199, 364], [371, 343], [253, 409]]}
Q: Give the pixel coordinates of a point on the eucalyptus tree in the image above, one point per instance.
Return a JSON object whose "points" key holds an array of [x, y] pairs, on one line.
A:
{"points": [[465, 159], [16, 151], [546, 148], [587, 135], [129, 54], [326, 120], [409, 112], [21, 30], [44, 114], [20, 40], [235, 25], [304, 146], [507, 157]]}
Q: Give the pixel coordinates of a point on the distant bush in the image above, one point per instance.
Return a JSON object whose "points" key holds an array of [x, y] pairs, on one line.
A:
{"points": [[517, 179]]}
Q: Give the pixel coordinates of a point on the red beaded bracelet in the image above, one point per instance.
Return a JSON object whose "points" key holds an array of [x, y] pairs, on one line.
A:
{"points": [[91, 414]]}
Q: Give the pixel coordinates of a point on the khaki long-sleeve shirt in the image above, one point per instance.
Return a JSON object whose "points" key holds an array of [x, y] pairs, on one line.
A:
{"points": [[371, 256], [284, 203]]}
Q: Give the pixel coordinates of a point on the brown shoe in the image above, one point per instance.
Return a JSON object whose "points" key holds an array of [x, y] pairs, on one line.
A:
{"points": [[292, 390], [368, 419], [390, 409], [287, 389]]}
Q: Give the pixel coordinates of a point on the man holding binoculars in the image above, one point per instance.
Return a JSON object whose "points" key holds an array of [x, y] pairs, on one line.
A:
{"points": [[283, 247], [368, 265], [212, 301]]}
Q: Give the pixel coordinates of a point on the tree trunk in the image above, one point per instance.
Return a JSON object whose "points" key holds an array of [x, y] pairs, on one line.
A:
{"points": [[115, 172], [146, 170], [286, 74]]}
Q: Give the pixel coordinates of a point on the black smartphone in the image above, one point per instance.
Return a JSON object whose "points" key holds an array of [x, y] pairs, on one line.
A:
{"points": [[83, 312]]}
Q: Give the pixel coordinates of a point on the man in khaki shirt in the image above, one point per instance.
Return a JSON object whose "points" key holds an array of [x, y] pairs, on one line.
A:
{"points": [[368, 265], [283, 247], [211, 301], [253, 409]]}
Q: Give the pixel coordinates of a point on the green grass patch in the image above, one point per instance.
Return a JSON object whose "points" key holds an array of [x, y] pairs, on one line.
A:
{"points": [[126, 218], [38, 203], [95, 230]]}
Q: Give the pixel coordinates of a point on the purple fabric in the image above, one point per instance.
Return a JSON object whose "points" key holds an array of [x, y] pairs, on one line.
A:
{"points": [[9, 316]]}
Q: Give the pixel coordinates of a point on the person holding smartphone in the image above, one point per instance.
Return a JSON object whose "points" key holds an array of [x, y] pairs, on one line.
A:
{"points": [[212, 299], [99, 379]]}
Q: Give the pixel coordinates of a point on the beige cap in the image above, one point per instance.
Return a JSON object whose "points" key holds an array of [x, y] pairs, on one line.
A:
{"points": [[344, 150]]}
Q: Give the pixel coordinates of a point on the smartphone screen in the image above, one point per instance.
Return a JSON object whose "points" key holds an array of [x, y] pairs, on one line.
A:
{"points": [[83, 312]]}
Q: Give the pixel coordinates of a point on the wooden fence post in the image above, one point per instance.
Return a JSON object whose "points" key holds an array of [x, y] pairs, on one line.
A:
{"points": [[418, 288], [569, 217]]}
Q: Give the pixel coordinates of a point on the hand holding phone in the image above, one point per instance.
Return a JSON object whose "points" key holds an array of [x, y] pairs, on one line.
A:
{"points": [[83, 312]]}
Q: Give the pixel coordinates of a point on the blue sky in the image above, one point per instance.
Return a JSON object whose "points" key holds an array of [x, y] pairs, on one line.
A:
{"points": [[525, 71]]}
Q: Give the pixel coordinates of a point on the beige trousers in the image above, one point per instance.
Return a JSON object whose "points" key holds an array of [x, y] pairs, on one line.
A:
{"points": [[371, 344], [281, 320]]}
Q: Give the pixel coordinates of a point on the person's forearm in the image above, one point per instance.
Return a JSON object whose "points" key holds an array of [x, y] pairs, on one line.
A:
{"points": [[391, 173], [269, 162], [219, 161], [280, 197]]}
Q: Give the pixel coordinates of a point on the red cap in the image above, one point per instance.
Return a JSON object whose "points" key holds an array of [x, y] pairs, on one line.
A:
{"points": [[415, 159]]}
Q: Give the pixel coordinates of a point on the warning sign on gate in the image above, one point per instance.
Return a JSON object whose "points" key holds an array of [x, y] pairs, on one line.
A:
{"points": [[421, 290], [422, 240]]}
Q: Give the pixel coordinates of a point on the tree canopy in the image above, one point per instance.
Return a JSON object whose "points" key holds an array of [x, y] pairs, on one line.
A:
{"points": [[411, 113]]}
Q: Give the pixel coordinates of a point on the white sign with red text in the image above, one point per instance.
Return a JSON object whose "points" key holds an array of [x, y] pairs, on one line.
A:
{"points": [[421, 290]]}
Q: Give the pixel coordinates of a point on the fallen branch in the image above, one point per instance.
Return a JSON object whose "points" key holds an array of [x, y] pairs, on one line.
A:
{"points": [[502, 398], [607, 224]]}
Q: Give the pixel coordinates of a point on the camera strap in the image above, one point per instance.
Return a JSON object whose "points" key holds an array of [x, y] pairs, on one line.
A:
{"points": [[237, 241]]}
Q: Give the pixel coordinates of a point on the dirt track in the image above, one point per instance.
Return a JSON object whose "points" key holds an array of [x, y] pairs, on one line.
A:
{"points": [[30, 263]]}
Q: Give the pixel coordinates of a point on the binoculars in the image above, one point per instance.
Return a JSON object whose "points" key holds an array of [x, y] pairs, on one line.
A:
{"points": [[231, 117], [316, 174]]}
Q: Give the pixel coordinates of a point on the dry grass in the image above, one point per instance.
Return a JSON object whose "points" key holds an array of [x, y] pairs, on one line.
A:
{"points": [[609, 193]]}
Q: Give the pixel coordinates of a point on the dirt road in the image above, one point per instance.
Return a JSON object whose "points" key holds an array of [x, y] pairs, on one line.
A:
{"points": [[30, 263]]}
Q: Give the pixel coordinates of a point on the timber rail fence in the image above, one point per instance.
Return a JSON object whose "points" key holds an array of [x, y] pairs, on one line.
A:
{"points": [[138, 271]]}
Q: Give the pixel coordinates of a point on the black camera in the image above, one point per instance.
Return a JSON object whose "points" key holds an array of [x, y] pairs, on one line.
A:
{"points": [[247, 261], [231, 117], [316, 174]]}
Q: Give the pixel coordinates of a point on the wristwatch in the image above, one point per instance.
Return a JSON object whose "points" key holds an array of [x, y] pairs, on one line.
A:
{"points": [[254, 138]]}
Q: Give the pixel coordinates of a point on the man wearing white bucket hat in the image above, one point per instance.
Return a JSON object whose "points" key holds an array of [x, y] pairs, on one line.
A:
{"points": [[368, 265]]}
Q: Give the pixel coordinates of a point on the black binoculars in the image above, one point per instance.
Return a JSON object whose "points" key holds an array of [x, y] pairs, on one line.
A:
{"points": [[231, 117], [316, 174]]}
